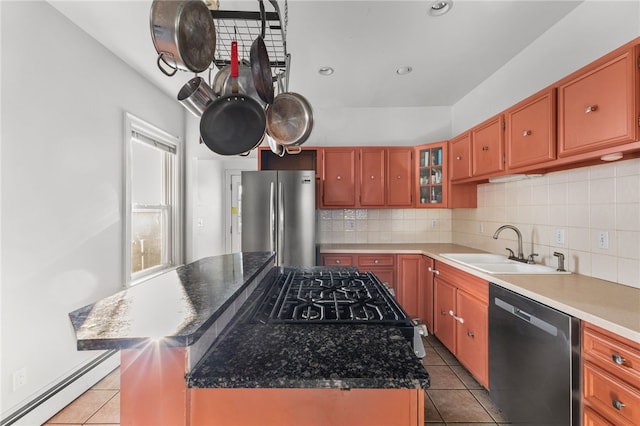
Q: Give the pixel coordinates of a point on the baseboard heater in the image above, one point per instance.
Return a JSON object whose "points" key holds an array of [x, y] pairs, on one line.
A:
{"points": [[58, 387]]}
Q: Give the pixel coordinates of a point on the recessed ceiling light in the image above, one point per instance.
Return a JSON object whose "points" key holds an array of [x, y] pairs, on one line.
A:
{"points": [[325, 71], [404, 70], [440, 7]]}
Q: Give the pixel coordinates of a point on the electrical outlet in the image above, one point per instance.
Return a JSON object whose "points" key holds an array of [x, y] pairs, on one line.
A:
{"points": [[603, 240], [559, 236], [434, 223], [19, 378], [481, 228]]}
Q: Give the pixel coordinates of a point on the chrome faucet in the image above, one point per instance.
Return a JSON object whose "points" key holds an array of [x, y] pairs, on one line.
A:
{"points": [[520, 256]]}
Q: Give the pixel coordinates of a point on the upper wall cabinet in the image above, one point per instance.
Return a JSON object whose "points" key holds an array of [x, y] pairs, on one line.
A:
{"points": [[598, 105], [399, 186], [367, 177], [487, 147], [431, 187], [460, 163], [339, 172], [531, 130]]}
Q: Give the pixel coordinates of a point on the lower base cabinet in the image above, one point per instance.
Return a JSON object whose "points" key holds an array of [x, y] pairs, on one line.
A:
{"points": [[461, 310], [309, 407], [610, 378]]}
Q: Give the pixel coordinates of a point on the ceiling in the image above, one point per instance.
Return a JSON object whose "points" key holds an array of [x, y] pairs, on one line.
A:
{"points": [[364, 41]]}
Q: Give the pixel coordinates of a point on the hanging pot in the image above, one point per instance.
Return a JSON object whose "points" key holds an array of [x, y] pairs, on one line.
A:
{"points": [[233, 124], [245, 82], [289, 118], [183, 34], [196, 95], [260, 65]]}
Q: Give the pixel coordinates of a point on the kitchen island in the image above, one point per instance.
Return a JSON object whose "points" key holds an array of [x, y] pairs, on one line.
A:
{"points": [[188, 357]]}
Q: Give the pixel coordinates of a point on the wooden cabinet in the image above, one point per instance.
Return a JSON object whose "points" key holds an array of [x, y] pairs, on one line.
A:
{"points": [[372, 177], [487, 147], [367, 177], [309, 407], [382, 266], [461, 318], [460, 162], [531, 130], [339, 182], [431, 187], [337, 260], [386, 178], [599, 104], [610, 377], [399, 184], [411, 284]]}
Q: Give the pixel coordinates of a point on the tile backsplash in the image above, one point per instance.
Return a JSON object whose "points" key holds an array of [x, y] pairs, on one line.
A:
{"points": [[574, 212], [571, 212], [384, 226]]}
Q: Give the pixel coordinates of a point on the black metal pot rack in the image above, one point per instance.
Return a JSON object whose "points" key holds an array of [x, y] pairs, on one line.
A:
{"points": [[245, 27]]}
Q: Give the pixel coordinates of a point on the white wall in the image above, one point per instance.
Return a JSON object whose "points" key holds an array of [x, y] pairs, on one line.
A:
{"points": [[583, 202], [64, 97], [591, 30]]}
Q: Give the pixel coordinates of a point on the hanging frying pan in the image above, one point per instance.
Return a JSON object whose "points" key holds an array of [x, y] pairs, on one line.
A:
{"points": [[183, 34], [233, 124], [260, 65], [289, 118]]}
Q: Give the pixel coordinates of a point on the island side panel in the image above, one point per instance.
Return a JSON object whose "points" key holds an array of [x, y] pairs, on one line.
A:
{"points": [[311, 407], [152, 386]]}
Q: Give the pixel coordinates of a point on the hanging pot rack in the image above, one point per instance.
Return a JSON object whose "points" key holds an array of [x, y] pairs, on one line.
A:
{"points": [[244, 27]]}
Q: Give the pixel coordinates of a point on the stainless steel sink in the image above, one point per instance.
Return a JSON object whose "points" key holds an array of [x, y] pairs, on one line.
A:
{"points": [[498, 264]]}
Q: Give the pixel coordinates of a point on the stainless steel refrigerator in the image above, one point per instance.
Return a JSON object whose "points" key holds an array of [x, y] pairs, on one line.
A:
{"points": [[277, 210]]}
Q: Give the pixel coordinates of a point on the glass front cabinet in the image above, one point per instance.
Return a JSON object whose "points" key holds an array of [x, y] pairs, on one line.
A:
{"points": [[431, 187]]}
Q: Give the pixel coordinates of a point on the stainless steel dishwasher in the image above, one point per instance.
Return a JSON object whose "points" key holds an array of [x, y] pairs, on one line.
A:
{"points": [[534, 360]]}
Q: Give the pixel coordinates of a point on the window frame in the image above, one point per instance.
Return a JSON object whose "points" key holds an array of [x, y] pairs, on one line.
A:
{"points": [[173, 194]]}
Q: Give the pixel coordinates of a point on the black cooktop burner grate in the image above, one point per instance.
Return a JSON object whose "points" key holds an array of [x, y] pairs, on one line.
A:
{"points": [[324, 297]]}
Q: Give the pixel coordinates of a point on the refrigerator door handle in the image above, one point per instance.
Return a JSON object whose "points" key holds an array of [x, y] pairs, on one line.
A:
{"points": [[281, 218], [272, 216]]}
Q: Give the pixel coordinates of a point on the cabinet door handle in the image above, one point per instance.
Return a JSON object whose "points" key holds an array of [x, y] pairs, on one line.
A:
{"points": [[372, 177], [526, 133], [339, 177], [399, 177], [459, 319], [618, 359], [471, 334], [435, 271], [590, 108], [485, 148], [618, 405], [443, 313], [458, 157]]}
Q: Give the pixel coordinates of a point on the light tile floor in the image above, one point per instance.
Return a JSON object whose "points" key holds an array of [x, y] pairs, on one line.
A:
{"points": [[454, 398]]}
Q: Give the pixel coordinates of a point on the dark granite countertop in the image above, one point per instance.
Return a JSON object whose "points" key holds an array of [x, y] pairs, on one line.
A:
{"points": [[250, 354], [177, 306], [310, 356]]}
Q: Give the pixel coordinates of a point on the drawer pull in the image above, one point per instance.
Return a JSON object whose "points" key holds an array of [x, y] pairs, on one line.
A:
{"points": [[339, 177], [372, 177], [485, 148], [526, 133], [470, 334], [376, 261], [459, 319], [590, 108], [458, 158], [617, 404], [618, 359], [338, 261]]}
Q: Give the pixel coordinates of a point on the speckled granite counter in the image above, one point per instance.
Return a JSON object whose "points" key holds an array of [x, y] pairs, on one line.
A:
{"points": [[311, 356], [614, 307], [178, 306]]}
